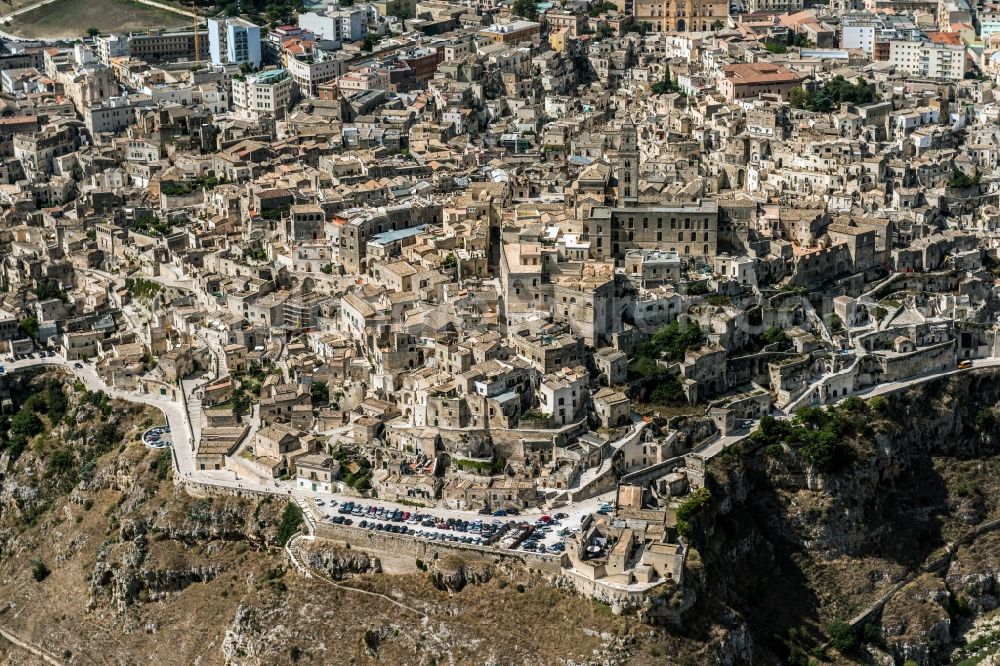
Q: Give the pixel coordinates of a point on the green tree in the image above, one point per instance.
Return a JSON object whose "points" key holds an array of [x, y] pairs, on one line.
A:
{"points": [[320, 393], [93, 32], [29, 326], [774, 335], [599, 8], [668, 391], [960, 180], [831, 94], [799, 98], [664, 86], [371, 40], [47, 290], [26, 423], [291, 519], [526, 8], [841, 636]]}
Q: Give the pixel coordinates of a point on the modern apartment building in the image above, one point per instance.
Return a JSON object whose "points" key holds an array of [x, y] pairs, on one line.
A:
{"points": [[265, 94], [344, 24], [234, 40], [928, 60]]}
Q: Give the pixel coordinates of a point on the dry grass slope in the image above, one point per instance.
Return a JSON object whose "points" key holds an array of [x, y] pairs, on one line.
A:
{"points": [[70, 19]]}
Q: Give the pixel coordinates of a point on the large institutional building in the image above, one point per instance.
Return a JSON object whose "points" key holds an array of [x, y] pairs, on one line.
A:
{"points": [[681, 15]]}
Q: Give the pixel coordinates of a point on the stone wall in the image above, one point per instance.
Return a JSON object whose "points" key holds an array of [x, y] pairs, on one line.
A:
{"points": [[198, 489], [621, 600]]}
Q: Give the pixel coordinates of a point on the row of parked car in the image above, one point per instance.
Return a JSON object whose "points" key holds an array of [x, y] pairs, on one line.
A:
{"points": [[38, 354], [478, 532]]}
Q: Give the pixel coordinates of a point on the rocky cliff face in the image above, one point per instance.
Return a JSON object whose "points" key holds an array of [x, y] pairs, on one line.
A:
{"points": [[793, 552], [337, 562], [454, 573]]}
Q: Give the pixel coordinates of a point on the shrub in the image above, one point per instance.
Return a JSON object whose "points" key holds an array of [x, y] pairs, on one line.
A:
{"points": [[520, 588], [854, 405], [320, 393], [774, 451], [697, 289], [879, 405], [774, 335], [39, 570], [691, 506], [668, 391], [985, 420], [26, 423], [291, 519], [841, 636]]}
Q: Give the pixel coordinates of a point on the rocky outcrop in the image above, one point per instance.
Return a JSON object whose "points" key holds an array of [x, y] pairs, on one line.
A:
{"points": [[125, 575], [916, 621], [337, 562], [973, 576], [454, 573], [240, 644]]}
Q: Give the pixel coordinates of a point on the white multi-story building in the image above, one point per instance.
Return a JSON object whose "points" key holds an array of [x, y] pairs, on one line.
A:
{"points": [[310, 73], [213, 96], [234, 40], [857, 31], [265, 94], [562, 393], [928, 60], [344, 24], [111, 46]]}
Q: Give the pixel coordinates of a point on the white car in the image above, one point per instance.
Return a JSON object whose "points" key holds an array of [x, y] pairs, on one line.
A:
{"points": [[319, 502]]}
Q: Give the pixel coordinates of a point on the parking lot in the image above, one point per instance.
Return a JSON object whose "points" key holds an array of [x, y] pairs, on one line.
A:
{"points": [[158, 437], [544, 534], [24, 357]]}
